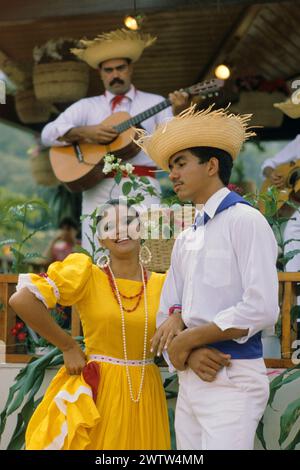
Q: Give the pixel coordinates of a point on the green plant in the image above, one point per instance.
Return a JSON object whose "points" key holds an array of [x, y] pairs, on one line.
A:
{"points": [[25, 221], [269, 202], [290, 415]]}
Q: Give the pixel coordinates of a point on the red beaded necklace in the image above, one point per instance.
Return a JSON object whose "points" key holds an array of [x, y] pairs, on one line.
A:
{"points": [[139, 294]]}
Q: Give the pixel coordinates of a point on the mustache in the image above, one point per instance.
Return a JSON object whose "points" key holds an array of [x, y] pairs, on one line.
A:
{"points": [[116, 80]]}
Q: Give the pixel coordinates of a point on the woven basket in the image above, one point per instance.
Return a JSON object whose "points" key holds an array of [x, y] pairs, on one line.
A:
{"points": [[29, 109], [41, 169], [60, 82], [161, 249], [260, 104]]}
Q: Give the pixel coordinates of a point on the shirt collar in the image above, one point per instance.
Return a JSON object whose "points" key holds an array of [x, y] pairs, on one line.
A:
{"points": [[214, 201], [130, 94]]}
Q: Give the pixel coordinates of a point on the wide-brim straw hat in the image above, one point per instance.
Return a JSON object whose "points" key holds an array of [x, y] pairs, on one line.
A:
{"points": [[206, 128], [291, 107], [117, 44]]}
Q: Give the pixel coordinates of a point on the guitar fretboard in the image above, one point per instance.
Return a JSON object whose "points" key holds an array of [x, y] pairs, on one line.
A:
{"points": [[134, 121]]}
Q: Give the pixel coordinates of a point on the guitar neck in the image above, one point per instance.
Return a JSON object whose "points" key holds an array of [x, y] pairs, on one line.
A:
{"points": [[134, 121]]}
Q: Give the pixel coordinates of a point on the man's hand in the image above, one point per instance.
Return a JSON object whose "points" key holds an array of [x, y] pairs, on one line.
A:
{"points": [[206, 362], [276, 179], [180, 101], [179, 350], [98, 134], [74, 359], [166, 332]]}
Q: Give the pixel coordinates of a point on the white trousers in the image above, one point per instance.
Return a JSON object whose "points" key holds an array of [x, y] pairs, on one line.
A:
{"points": [[101, 193], [292, 230], [224, 414]]}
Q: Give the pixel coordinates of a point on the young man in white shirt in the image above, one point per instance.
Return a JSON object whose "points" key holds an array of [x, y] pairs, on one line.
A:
{"points": [[291, 152], [113, 55], [223, 274]]}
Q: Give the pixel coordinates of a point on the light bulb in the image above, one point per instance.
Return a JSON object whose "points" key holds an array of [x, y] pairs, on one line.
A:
{"points": [[131, 23], [222, 72]]}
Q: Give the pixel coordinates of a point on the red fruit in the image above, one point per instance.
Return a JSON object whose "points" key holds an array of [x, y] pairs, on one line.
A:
{"points": [[19, 325], [14, 331]]}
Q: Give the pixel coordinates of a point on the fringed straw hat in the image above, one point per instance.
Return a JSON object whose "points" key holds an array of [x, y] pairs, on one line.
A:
{"points": [[206, 128], [117, 44], [291, 107]]}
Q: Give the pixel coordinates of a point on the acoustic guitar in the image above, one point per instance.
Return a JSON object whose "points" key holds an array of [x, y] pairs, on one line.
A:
{"points": [[79, 166], [291, 173]]}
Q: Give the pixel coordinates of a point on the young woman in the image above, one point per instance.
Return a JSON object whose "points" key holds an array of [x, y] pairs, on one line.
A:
{"points": [[111, 396]]}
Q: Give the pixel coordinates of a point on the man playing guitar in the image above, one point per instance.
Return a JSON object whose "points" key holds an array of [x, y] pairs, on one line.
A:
{"points": [[113, 55]]}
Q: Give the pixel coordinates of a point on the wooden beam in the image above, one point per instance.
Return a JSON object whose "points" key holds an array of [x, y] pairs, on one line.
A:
{"points": [[238, 31], [17, 11]]}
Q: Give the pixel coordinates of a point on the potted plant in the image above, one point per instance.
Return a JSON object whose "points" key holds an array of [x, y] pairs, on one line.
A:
{"points": [[24, 219], [58, 75]]}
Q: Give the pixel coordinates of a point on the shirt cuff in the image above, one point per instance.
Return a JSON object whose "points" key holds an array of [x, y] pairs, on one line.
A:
{"points": [[56, 133], [225, 324]]}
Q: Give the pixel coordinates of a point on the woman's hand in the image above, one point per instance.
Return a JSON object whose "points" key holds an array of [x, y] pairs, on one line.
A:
{"points": [[166, 332], [74, 359]]}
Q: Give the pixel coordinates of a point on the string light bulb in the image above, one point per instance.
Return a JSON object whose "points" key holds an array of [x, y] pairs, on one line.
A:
{"points": [[134, 21], [222, 71]]}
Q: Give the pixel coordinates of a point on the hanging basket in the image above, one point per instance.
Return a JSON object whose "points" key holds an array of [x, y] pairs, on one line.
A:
{"points": [[29, 109], [60, 82], [41, 169], [260, 104], [159, 246]]}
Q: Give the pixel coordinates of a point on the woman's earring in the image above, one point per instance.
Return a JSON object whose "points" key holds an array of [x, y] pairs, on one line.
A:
{"points": [[103, 261], [145, 255]]}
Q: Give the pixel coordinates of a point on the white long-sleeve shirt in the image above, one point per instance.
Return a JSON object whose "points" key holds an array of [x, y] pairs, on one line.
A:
{"points": [[225, 271], [92, 111], [289, 153]]}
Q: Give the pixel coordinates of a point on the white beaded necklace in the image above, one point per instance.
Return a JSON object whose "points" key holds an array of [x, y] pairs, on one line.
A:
{"points": [[137, 399]]}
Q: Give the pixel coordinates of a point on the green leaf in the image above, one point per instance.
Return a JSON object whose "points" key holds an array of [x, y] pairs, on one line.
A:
{"points": [[294, 442], [144, 180], [288, 419], [260, 434], [126, 188], [118, 177]]}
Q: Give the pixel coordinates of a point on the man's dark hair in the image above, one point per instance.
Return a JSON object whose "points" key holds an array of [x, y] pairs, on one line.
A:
{"points": [[225, 160], [68, 222]]}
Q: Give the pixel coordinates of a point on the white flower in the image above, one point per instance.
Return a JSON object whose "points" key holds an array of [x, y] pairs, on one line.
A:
{"points": [[109, 158], [129, 168], [107, 168]]}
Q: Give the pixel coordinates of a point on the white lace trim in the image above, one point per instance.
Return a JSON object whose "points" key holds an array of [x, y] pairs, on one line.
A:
{"points": [[25, 281], [120, 362], [60, 399]]}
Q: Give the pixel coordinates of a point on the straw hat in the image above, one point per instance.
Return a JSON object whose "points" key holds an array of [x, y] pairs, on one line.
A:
{"points": [[117, 44], [291, 107], [204, 128]]}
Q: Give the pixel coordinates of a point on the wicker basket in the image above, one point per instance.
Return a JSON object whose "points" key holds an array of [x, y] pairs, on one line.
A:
{"points": [[41, 169], [29, 109], [60, 82], [260, 104], [161, 249]]}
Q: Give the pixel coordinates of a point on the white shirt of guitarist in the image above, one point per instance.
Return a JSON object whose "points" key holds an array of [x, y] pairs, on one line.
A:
{"points": [[289, 153], [92, 111]]}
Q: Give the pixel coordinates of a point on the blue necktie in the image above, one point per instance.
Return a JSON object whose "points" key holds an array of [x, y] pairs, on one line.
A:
{"points": [[231, 199], [200, 220]]}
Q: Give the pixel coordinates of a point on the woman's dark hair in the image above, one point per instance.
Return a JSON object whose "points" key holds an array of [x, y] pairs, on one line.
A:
{"points": [[68, 222], [225, 160], [113, 202]]}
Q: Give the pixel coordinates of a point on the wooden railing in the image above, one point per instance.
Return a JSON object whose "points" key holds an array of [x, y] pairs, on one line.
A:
{"points": [[287, 299]]}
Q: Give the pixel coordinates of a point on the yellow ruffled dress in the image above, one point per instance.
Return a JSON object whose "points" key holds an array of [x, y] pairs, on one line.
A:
{"points": [[68, 417]]}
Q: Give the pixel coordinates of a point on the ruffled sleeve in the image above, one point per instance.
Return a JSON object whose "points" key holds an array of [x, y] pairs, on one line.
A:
{"points": [[66, 282]]}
